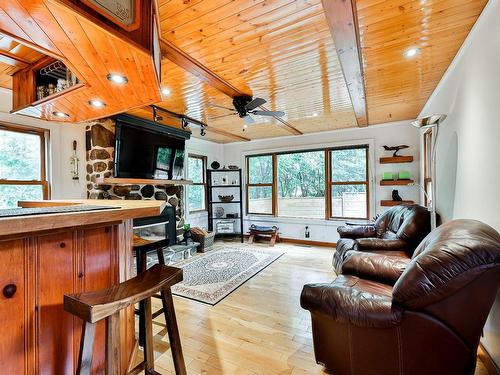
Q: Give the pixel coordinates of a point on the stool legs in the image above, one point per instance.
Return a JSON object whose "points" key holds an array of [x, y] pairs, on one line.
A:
{"points": [[86, 349], [113, 357], [149, 358], [173, 332]]}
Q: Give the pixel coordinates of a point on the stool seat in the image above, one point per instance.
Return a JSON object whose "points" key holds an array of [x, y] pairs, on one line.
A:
{"points": [[144, 244], [97, 305]]}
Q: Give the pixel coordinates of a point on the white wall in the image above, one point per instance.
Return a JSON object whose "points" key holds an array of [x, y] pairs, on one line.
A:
{"points": [[469, 94], [61, 140], [377, 136], [213, 151]]}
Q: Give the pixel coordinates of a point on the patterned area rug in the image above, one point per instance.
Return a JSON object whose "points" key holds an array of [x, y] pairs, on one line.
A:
{"points": [[212, 276]]}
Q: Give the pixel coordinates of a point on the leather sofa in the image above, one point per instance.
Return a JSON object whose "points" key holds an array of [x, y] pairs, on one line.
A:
{"points": [[390, 240], [429, 322]]}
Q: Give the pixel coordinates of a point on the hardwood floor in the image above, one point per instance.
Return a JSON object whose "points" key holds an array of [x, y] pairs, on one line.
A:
{"points": [[259, 328]]}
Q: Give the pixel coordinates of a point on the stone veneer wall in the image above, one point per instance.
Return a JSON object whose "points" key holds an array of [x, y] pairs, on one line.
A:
{"points": [[100, 149]]}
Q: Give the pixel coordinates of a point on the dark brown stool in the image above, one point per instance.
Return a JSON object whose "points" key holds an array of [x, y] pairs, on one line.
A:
{"points": [[142, 247], [107, 303]]}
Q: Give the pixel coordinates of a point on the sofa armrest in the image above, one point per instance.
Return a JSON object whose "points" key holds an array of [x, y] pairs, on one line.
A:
{"points": [[357, 231], [381, 244], [351, 300], [375, 266]]}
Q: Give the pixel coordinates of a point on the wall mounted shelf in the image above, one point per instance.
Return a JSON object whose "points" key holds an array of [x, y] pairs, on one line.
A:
{"points": [[140, 181], [390, 203], [396, 159], [396, 182]]}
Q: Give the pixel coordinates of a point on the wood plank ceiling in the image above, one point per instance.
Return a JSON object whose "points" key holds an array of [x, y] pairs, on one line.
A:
{"points": [[282, 51]]}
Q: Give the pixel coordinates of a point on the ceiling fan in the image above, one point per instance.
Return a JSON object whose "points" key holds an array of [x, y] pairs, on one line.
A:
{"points": [[245, 107]]}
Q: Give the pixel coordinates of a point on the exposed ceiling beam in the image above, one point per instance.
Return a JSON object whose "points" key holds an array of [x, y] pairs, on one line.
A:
{"points": [[182, 59], [227, 134], [179, 57], [343, 23], [13, 60]]}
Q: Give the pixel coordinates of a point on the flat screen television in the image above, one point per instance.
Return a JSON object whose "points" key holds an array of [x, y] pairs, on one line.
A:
{"points": [[148, 152]]}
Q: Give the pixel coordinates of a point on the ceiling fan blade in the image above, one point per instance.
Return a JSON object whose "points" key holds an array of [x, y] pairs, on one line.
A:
{"points": [[210, 104], [269, 113], [257, 102], [249, 120]]}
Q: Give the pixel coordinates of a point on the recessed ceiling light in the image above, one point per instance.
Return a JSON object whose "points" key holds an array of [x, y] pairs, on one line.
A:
{"points": [[165, 91], [412, 52], [315, 114], [96, 103], [60, 114], [117, 78]]}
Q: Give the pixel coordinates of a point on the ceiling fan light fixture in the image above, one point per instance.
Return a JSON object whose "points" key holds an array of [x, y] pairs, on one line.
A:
{"points": [[166, 91]]}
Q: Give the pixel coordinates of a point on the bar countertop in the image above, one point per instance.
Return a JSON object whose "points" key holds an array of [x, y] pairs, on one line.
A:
{"points": [[119, 210]]}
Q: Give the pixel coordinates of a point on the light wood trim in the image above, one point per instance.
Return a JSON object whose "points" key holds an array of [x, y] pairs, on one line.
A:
{"points": [[43, 157], [396, 159], [140, 181], [227, 134], [388, 203], [308, 242], [342, 20], [203, 159], [396, 182]]}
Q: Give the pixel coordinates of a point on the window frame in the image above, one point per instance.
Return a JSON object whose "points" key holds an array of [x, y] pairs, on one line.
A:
{"points": [[43, 134], [330, 183], [203, 159], [248, 185]]}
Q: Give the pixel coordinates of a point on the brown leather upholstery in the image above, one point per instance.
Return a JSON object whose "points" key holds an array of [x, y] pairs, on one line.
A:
{"points": [[430, 322], [400, 228]]}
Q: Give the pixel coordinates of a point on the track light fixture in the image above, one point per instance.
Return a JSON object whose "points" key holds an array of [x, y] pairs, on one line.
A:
{"points": [[202, 131]]}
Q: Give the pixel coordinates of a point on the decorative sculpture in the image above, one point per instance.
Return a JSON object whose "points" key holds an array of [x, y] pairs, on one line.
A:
{"points": [[395, 196], [395, 149]]}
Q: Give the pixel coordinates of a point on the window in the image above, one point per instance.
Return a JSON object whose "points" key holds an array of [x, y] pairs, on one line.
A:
{"points": [[349, 182], [317, 184], [197, 191], [22, 165], [301, 184], [260, 184]]}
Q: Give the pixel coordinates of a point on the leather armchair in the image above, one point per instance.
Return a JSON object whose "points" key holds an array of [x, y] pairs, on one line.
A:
{"points": [[429, 322], [395, 233]]}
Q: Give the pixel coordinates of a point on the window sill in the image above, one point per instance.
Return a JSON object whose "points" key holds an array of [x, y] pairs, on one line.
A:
{"points": [[302, 220]]}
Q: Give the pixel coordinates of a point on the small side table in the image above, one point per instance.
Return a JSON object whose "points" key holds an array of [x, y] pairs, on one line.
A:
{"points": [[257, 232]]}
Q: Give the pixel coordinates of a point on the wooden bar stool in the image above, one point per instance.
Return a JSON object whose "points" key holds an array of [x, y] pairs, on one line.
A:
{"points": [[142, 247], [107, 303]]}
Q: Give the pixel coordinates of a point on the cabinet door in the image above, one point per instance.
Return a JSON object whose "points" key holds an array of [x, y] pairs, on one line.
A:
{"points": [[12, 308], [56, 269]]}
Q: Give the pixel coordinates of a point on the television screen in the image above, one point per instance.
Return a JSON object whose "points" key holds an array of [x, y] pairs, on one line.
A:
{"points": [[142, 152]]}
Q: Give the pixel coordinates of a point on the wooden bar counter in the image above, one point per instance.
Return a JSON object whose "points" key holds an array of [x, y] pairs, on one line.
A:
{"points": [[43, 257]]}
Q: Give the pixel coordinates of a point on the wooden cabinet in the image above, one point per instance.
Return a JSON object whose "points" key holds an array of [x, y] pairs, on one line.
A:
{"points": [[37, 334]]}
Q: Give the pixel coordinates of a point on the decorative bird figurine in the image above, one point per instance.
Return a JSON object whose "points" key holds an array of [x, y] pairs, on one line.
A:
{"points": [[395, 149]]}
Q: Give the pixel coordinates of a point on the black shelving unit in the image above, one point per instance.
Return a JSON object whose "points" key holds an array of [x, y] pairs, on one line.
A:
{"points": [[213, 202]]}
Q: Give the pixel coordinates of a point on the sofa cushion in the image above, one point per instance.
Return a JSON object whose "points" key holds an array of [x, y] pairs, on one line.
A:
{"points": [[386, 266], [352, 300]]}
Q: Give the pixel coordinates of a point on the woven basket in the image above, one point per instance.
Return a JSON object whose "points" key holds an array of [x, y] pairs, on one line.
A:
{"points": [[206, 239]]}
